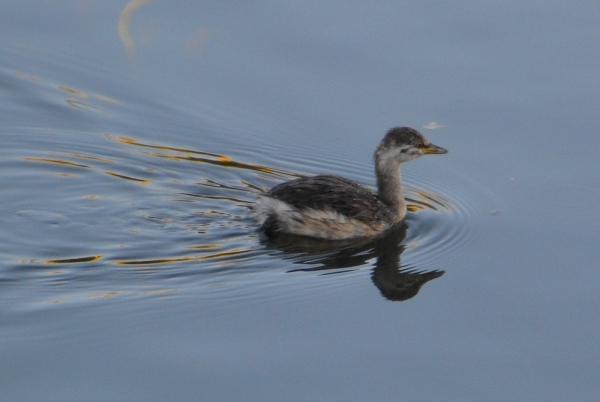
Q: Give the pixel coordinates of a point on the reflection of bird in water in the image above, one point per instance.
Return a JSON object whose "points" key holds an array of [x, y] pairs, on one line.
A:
{"points": [[401, 284], [332, 207], [393, 281]]}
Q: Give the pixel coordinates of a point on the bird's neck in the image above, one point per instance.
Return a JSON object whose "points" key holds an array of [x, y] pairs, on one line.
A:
{"points": [[389, 186]]}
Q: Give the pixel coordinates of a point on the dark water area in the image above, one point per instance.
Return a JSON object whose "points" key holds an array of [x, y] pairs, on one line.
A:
{"points": [[136, 137]]}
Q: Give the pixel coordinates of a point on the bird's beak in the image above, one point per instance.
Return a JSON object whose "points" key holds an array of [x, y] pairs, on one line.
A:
{"points": [[433, 149]]}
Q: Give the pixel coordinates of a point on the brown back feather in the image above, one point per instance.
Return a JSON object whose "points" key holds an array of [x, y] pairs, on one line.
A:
{"points": [[334, 193]]}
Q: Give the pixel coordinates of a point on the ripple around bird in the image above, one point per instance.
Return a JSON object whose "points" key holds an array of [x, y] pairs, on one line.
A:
{"points": [[174, 217]]}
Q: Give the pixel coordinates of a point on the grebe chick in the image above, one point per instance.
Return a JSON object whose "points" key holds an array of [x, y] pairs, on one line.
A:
{"points": [[332, 207]]}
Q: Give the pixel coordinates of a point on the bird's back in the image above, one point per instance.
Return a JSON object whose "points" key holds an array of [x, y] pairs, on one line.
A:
{"points": [[332, 193]]}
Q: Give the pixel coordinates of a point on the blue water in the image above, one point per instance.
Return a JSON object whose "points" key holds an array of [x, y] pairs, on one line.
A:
{"points": [[136, 136]]}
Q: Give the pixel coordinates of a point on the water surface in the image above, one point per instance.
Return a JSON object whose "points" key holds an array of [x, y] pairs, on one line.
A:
{"points": [[137, 135]]}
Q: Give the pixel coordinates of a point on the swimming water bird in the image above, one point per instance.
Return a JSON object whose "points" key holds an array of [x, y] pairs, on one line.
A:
{"points": [[332, 207]]}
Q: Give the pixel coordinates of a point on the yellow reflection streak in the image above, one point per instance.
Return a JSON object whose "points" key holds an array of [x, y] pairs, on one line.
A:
{"points": [[71, 91], [222, 161], [216, 197], [74, 91], [204, 157], [107, 295], [113, 293], [223, 254], [84, 106], [107, 99], [132, 141], [28, 77], [434, 198], [420, 205], [74, 260], [81, 94], [59, 161], [160, 291], [120, 176], [203, 246], [81, 156], [125, 23], [156, 261]]}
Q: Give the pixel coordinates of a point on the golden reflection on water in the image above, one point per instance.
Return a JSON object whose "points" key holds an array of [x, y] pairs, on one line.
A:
{"points": [[73, 92], [81, 156], [160, 291], [107, 99], [156, 261], [437, 199], [125, 22], [194, 45], [413, 208], [84, 106], [122, 176], [182, 154], [74, 260], [107, 295], [204, 246], [415, 204], [222, 254], [111, 294], [85, 95], [27, 77], [59, 161]]}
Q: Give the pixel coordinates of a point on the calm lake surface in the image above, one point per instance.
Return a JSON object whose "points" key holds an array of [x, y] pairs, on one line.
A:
{"points": [[136, 136]]}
